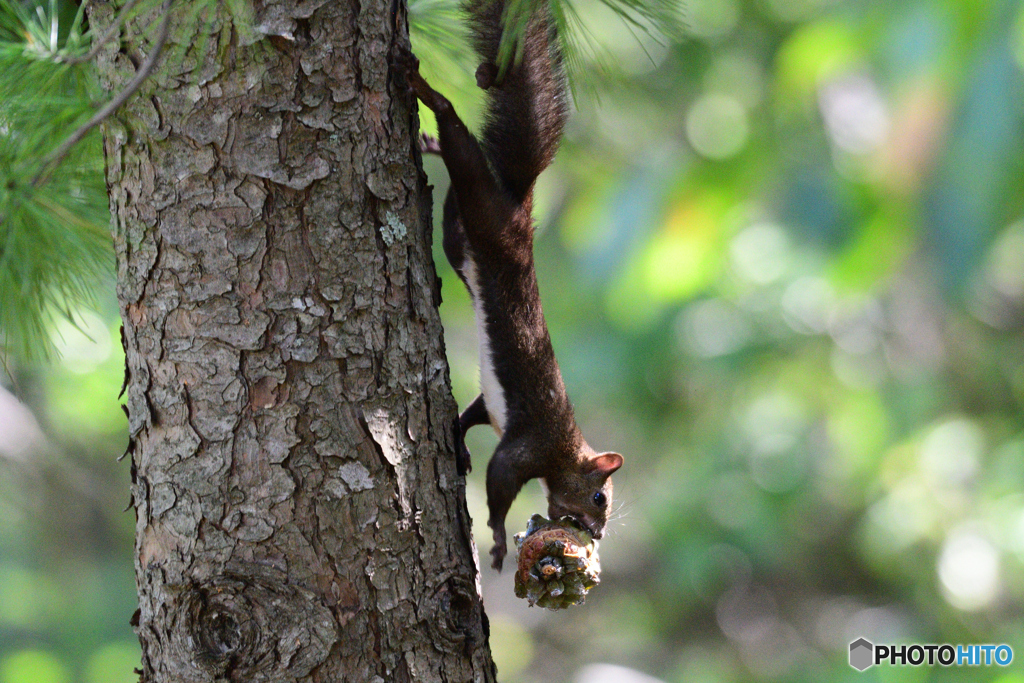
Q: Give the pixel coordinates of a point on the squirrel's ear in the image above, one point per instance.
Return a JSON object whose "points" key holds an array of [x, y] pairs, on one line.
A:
{"points": [[606, 463]]}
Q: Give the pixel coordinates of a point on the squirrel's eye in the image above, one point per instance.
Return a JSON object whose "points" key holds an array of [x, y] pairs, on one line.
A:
{"points": [[599, 499]]}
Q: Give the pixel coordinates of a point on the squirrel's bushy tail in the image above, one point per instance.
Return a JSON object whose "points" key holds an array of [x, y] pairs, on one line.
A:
{"points": [[528, 104]]}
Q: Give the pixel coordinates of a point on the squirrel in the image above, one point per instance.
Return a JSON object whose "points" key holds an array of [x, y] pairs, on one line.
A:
{"points": [[488, 239]]}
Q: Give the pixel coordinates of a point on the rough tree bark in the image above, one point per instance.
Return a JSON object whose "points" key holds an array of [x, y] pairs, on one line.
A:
{"points": [[299, 513]]}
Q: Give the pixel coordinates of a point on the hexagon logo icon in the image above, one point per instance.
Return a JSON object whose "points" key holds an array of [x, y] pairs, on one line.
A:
{"points": [[861, 654]]}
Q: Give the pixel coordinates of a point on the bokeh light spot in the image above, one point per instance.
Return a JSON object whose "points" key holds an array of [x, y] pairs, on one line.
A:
{"points": [[33, 666], [712, 19], [812, 54], [717, 126], [760, 253], [807, 305], [713, 328], [950, 453], [1004, 269], [856, 116], [612, 673], [969, 570], [83, 344]]}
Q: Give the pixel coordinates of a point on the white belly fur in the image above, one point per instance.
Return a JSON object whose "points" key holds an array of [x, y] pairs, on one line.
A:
{"points": [[494, 395]]}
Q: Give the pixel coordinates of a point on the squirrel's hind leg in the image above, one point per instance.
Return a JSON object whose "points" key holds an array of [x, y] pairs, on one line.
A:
{"points": [[475, 185]]}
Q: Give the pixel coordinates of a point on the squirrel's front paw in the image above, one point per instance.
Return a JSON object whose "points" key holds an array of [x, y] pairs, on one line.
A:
{"points": [[500, 548], [463, 461], [498, 553]]}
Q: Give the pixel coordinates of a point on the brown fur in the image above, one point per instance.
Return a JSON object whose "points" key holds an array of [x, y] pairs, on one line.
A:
{"points": [[488, 218]]}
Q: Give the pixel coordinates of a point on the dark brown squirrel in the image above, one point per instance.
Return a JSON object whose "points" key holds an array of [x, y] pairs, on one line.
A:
{"points": [[488, 239]]}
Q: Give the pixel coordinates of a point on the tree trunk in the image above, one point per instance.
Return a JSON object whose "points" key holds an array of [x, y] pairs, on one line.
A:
{"points": [[299, 512]]}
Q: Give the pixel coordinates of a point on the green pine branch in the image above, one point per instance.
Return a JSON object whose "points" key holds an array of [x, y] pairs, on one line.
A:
{"points": [[54, 243], [438, 34], [54, 239]]}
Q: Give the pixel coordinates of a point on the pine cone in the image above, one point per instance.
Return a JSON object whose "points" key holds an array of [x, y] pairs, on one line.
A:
{"points": [[557, 564]]}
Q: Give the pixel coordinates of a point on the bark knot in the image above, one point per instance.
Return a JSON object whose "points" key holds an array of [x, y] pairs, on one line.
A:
{"points": [[455, 608], [244, 628]]}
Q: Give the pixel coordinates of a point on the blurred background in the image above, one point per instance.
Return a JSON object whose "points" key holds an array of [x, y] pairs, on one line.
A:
{"points": [[782, 261]]}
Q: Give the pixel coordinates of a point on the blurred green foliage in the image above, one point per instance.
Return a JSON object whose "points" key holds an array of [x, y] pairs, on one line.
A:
{"points": [[783, 265], [67, 584]]}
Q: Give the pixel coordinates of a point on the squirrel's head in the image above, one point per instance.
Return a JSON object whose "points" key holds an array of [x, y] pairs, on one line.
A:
{"points": [[585, 492]]}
